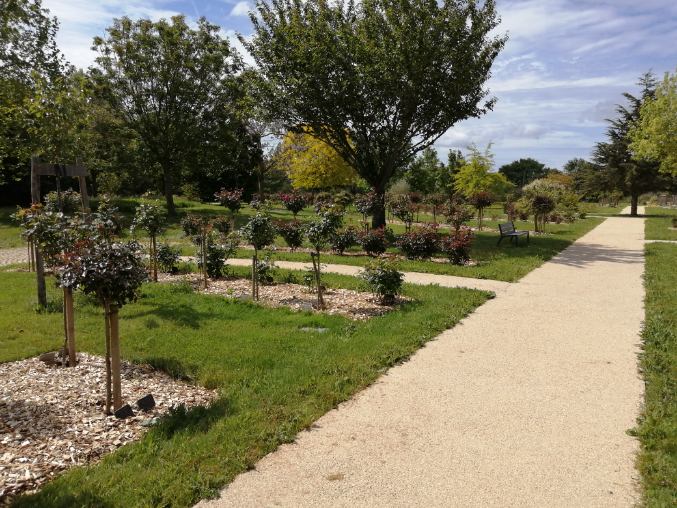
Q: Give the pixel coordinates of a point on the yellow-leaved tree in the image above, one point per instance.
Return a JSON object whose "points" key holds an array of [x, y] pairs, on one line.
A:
{"points": [[312, 164]]}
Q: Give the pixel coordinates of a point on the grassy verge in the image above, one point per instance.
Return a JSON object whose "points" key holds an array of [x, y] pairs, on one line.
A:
{"points": [[10, 236], [657, 429], [274, 379], [658, 224], [504, 262], [597, 209]]}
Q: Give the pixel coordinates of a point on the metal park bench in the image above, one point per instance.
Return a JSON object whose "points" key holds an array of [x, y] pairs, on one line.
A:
{"points": [[508, 230]]}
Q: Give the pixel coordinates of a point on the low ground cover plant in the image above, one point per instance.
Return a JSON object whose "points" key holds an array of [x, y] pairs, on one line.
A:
{"points": [[373, 241], [383, 279], [457, 246], [421, 243]]}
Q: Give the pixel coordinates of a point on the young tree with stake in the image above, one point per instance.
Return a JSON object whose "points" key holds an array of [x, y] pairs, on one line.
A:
{"points": [[151, 219], [260, 233]]}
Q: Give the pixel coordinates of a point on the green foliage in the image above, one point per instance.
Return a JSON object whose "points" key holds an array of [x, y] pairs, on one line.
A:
{"points": [[176, 87], [70, 202], [475, 176], [293, 201], [427, 175], [384, 280], [420, 243], [657, 425], [321, 231], [259, 231], [457, 245], [343, 240], [373, 241], [292, 232], [404, 209], [150, 218], [231, 199], [457, 213], [167, 257], [377, 81], [523, 171], [113, 272], [654, 136]]}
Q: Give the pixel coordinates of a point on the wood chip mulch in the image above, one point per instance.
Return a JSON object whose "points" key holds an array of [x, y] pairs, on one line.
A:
{"points": [[51, 417], [354, 305]]}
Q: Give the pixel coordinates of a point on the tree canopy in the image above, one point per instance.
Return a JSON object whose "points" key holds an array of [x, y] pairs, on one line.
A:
{"points": [[377, 80], [310, 163], [523, 171], [475, 176], [176, 86], [654, 136], [619, 168]]}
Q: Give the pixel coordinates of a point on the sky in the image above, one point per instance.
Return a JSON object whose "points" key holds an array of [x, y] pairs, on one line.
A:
{"points": [[562, 71]]}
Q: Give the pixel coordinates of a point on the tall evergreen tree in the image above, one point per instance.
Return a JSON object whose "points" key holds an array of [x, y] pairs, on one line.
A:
{"points": [[619, 169]]}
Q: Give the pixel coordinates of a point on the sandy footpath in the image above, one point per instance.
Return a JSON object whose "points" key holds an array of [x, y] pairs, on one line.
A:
{"points": [[525, 403], [14, 255]]}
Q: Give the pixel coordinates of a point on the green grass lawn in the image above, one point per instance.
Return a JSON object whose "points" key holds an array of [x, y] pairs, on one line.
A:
{"points": [[657, 429], [500, 263], [504, 262], [659, 222], [604, 210], [273, 378], [10, 236]]}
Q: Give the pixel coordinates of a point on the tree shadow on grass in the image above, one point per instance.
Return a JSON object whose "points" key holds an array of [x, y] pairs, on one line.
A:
{"points": [[65, 499], [179, 313], [197, 420], [585, 254]]}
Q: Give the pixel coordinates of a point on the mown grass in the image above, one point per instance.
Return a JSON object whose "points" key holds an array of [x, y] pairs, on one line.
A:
{"points": [[505, 263], [273, 378], [658, 225], [10, 236], [604, 210], [657, 429]]}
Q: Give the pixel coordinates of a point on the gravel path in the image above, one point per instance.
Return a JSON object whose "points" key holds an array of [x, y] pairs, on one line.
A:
{"points": [[526, 403], [12, 256], [496, 286]]}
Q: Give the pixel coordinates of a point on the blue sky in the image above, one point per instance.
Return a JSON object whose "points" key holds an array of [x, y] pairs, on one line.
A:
{"points": [[563, 69]]}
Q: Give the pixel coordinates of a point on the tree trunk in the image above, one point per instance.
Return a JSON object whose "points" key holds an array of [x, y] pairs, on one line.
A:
{"points": [[535, 222], [318, 278], [378, 219], [634, 200], [107, 359], [70, 325], [115, 357], [169, 191], [204, 261], [480, 216], [255, 278], [153, 257], [40, 276]]}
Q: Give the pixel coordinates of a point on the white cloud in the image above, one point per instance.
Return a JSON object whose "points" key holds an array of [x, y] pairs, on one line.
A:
{"points": [[241, 9]]}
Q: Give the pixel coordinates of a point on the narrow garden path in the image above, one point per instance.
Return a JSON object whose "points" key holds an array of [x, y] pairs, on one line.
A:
{"points": [[496, 286], [525, 403]]}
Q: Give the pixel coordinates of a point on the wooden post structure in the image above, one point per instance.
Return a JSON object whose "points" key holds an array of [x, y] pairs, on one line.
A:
{"points": [[109, 395], [39, 169], [115, 357], [70, 325]]}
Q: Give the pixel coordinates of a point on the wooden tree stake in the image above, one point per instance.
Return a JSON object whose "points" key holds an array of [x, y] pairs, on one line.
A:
{"points": [[115, 357], [108, 371], [70, 325]]}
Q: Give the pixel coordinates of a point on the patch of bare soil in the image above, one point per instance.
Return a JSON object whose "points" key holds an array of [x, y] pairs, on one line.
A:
{"points": [[51, 418], [354, 305]]}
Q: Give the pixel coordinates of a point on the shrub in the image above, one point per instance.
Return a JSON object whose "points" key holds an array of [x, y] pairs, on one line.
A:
{"points": [[292, 232], [510, 209], [366, 204], [457, 213], [457, 246], [420, 243], [373, 241], [343, 199], [168, 257], [293, 201], [343, 240], [71, 202], [384, 280], [231, 199], [265, 270], [221, 224]]}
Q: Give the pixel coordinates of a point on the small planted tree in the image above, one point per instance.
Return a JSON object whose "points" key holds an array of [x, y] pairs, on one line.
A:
{"points": [[457, 245], [435, 201], [481, 200], [113, 272], [366, 204], [384, 280], [168, 257], [151, 219], [197, 228], [320, 233], [231, 199], [292, 232], [260, 233], [403, 208], [293, 201], [457, 213]]}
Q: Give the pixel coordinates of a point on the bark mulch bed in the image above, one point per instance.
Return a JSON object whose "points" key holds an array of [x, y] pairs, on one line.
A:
{"points": [[51, 417], [354, 305]]}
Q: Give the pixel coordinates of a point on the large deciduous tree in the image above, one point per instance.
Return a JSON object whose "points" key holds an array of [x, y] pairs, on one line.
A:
{"points": [[176, 86], [378, 80], [524, 171], [654, 136]]}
